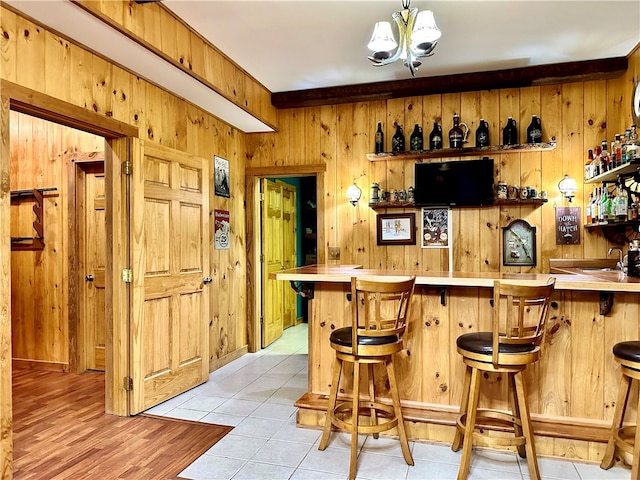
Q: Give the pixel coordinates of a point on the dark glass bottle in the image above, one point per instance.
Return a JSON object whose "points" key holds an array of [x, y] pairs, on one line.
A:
{"points": [[456, 135], [510, 132], [534, 130], [416, 142], [482, 134], [435, 137], [397, 141], [379, 139]]}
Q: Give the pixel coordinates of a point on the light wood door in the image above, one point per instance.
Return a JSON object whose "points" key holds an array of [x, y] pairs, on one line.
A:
{"points": [[272, 307], [169, 349], [94, 262], [289, 303]]}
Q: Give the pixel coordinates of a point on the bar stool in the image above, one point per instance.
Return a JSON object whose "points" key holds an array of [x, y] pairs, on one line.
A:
{"points": [[627, 439], [518, 323], [380, 308]]}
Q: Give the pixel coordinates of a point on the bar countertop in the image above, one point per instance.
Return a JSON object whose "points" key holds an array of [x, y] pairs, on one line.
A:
{"points": [[574, 279]]}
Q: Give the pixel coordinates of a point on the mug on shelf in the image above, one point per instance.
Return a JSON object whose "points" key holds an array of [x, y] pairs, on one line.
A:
{"points": [[524, 193], [513, 192]]}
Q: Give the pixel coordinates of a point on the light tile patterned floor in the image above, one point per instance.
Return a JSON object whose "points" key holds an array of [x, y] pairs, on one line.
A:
{"points": [[255, 394]]}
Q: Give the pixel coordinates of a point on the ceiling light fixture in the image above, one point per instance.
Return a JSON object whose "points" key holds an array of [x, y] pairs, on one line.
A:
{"points": [[418, 32]]}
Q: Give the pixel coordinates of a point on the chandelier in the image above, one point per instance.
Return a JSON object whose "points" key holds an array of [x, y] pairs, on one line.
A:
{"points": [[418, 32]]}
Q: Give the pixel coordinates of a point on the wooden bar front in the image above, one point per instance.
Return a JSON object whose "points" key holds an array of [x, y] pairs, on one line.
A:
{"points": [[572, 389]]}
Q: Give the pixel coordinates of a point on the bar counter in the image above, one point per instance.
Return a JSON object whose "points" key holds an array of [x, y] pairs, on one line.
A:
{"points": [[572, 389]]}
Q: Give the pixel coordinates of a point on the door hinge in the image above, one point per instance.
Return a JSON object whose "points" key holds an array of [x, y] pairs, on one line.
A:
{"points": [[127, 275], [127, 167], [261, 197], [261, 320], [127, 383], [261, 258]]}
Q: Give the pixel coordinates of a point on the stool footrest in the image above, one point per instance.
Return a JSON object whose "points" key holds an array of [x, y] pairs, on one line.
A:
{"points": [[625, 438], [383, 412], [488, 419]]}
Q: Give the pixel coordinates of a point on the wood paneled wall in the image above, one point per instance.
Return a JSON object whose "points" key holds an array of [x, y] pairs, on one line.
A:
{"points": [[36, 58], [575, 115]]}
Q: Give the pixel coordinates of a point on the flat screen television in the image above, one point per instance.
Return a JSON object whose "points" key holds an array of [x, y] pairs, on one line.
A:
{"points": [[460, 183]]}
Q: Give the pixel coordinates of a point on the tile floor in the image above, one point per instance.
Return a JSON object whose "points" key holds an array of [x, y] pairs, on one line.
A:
{"points": [[255, 395]]}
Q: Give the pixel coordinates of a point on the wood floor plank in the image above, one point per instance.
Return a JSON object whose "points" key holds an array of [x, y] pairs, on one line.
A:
{"points": [[61, 432]]}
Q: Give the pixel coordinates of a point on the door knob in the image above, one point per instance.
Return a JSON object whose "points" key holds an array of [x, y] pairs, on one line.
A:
{"points": [[89, 278], [207, 280]]}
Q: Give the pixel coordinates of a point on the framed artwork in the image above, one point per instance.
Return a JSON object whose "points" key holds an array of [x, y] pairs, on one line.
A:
{"points": [[221, 176], [221, 229], [396, 228], [436, 227], [519, 244]]}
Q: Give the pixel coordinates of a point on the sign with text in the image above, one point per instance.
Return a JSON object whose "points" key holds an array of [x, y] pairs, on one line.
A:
{"points": [[222, 229], [568, 225]]}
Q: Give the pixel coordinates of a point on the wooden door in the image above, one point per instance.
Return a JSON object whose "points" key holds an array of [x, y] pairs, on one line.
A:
{"points": [[272, 306], [169, 349], [94, 242], [289, 302]]}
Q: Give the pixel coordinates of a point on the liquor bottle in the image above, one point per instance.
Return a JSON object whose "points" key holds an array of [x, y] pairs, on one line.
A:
{"points": [[588, 208], [595, 207], [625, 145], [633, 149], [622, 201], [605, 158], [510, 132], [597, 162], [456, 135], [416, 141], [616, 151], [435, 137], [397, 141], [379, 139], [534, 130], [588, 166], [482, 134]]}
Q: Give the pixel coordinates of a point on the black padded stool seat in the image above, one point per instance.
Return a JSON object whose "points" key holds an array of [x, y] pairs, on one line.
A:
{"points": [[628, 351], [343, 336], [518, 323], [482, 343], [627, 438], [379, 316]]}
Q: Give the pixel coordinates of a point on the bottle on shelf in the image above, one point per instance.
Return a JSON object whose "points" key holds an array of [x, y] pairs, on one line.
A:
{"points": [[435, 137], [416, 141], [616, 151], [622, 203], [379, 146], [482, 134], [534, 130], [510, 132], [596, 169], [457, 137], [605, 158], [397, 141], [588, 166], [588, 209], [625, 145], [633, 148], [595, 206]]}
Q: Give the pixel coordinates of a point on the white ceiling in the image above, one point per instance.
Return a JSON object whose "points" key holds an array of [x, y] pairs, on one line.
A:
{"points": [[296, 44]]}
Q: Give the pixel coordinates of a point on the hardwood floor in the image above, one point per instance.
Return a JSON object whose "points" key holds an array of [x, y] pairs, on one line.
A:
{"points": [[61, 432]]}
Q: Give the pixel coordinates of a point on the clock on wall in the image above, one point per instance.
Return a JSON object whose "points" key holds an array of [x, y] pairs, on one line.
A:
{"points": [[635, 103], [519, 244]]}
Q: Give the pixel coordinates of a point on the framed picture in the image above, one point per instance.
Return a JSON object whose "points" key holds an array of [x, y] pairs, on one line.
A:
{"points": [[221, 176], [436, 227], [396, 228], [221, 229], [519, 244]]}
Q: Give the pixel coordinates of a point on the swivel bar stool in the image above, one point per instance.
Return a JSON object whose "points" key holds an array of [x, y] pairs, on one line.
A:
{"points": [[518, 322], [380, 308], [627, 439]]}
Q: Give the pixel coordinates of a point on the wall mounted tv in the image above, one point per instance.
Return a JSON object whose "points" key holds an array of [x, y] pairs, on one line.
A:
{"points": [[461, 183]]}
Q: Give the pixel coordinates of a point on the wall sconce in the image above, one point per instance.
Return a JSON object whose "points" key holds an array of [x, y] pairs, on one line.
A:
{"points": [[568, 187], [354, 194]]}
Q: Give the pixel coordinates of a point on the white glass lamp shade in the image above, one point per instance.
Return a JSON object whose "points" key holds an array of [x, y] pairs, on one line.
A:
{"points": [[568, 187], [354, 194], [425, 31], [382, 39]]}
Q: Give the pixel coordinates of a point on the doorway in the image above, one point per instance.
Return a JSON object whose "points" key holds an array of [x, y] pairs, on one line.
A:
{"points": [[309, 236]]}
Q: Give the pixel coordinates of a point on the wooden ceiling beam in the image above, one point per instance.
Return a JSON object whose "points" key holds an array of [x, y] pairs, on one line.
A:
{"points": [[603, 69]]}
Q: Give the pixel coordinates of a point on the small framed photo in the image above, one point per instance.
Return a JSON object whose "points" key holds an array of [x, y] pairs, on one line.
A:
{"points": [[436, 225], [396, 229], [221, 176]]}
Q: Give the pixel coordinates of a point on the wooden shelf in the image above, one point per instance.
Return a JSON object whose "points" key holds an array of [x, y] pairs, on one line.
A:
{"points": [[528, 201], [612, 175], [460, 152], [381, 205], [615, 232]]}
